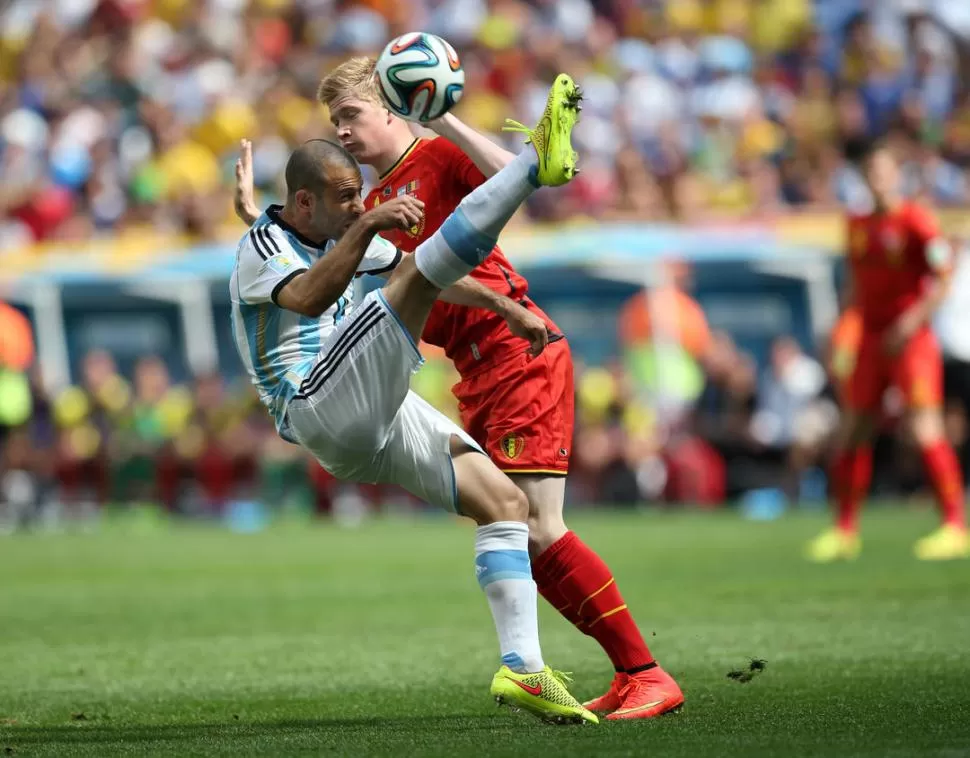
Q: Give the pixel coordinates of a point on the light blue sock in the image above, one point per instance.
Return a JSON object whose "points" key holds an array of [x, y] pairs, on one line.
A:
{"points": [[469, 234], [505, 574]]}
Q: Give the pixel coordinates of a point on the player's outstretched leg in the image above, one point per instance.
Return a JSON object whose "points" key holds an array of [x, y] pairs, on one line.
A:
{"points": [[469, 234], [504, 573]]}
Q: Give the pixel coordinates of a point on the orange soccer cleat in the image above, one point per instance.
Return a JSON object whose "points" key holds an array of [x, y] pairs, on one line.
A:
{"points": [[647, 694], [612, 699]]}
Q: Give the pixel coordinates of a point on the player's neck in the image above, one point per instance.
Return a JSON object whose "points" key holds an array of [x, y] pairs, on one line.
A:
{"points": [[390, 157], [888, 205]]}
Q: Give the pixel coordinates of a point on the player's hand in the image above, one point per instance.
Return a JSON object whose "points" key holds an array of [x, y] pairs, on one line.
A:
{"points": [[243, 200], [401, 212], [527, 325], [443, 126], [899, 334]]}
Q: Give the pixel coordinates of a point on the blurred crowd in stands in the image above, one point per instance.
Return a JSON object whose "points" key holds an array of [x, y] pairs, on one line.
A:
{"points": [[123, 116], [686, 418]]}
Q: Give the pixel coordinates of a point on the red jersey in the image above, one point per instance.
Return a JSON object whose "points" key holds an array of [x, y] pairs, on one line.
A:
{"points": [[892, 256], [438, 173]]}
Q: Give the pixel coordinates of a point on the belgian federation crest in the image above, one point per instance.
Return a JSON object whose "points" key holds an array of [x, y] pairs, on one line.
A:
{"points": [[512, 446]]}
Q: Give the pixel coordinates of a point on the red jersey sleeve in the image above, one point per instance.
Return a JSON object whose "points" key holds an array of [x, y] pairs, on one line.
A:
{"points": [[933, 250], [922, 224], [463, 168]]}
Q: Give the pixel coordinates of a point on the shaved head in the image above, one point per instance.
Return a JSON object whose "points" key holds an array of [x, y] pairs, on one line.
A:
{"points": [[312, 163], [323, 190]]}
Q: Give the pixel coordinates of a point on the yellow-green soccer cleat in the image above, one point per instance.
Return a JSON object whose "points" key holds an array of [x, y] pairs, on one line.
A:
{"points": [[543, 694], [947, 543], [834, 545], [551, 136]]}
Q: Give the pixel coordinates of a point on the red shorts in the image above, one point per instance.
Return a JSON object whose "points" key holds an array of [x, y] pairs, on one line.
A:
{"points": [[917, 372], [521, 411]]}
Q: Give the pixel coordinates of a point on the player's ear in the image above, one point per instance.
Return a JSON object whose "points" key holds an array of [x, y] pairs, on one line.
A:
{"points": [[304, 200]]}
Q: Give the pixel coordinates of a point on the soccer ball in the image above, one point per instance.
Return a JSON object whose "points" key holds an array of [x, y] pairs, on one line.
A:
{"points": [[420, 76]]}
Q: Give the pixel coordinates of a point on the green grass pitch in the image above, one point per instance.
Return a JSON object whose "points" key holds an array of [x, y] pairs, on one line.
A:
{"points": [[377, 641]]}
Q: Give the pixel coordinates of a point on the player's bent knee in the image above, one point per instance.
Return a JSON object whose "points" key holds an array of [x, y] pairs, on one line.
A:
{"points": [[510, 505], [545, 529], [485, 494]]}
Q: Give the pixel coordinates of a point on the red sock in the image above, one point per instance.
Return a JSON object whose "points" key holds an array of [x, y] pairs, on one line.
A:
{"points": [[553, 595], [852, 475], [570, 570], [944, 474]]}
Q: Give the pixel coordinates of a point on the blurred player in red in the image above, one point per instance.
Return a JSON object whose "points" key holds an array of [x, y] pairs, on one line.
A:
{"points": [[899, 265], [519, 408]]}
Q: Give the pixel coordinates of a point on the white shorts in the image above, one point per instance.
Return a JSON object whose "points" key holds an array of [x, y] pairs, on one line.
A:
{"points": [[356, 414]]}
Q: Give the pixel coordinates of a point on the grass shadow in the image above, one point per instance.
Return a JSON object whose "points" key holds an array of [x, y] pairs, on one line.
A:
{"points": [[92, 732]]}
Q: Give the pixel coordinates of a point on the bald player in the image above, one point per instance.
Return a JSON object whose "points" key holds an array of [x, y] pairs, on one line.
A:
{"points": [[336, 377]]}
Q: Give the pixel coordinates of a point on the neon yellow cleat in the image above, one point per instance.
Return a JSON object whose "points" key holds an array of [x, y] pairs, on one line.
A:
{"points": [[945, 544], [543, 694], [551, 136], [834, 545]]}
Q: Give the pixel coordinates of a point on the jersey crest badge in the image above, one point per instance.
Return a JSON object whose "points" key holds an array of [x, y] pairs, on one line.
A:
{"points": [[512, 446], [892, 242], [417, 230], [279, 263]]}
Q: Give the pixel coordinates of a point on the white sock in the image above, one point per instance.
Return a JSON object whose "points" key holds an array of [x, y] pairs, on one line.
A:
{"points": [[504, 572], [468, 235]]}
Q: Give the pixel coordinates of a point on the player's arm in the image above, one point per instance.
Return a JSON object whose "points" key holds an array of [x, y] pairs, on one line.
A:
{"points": [[937, 256], [243, 200], [488, 157], [937, 261], [312, 292], [522, 322]]}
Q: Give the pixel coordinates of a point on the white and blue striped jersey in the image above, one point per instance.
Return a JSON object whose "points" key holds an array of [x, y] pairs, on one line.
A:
{"points": [[279, 347]]}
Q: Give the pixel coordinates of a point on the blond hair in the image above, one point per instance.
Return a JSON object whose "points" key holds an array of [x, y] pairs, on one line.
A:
{"points": [[355, 77]]}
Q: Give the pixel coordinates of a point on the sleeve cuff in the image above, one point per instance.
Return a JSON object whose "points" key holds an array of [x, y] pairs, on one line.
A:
{"points": [[283, 282], [389, 267]]}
